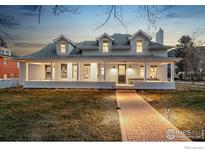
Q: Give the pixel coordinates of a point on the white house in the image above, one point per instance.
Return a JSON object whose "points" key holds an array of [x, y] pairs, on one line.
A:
{"points": [[118, 61]]}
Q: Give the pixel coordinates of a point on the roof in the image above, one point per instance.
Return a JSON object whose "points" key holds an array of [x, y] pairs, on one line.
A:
{"points": [[2, 54], [65, 38], [120, 42], [142, 32], [100, 58], [48, 52], [120, 39], [157, 46], [105, 34]]}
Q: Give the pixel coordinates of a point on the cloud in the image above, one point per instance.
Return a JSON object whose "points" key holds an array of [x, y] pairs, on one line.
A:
{"points": [[185, 14], [29, 45]]}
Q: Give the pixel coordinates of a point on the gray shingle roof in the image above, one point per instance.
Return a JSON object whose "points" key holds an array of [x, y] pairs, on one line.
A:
{"points": [[157, 46], [48, 52], [120, 39], [120, 42]]}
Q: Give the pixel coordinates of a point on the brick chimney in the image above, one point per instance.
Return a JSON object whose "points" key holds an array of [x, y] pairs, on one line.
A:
{"points": [[160, 36]]}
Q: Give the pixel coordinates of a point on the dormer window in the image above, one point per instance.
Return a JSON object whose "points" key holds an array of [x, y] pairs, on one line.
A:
{"points": [[139, 46], [62, 48], [105, 45]]}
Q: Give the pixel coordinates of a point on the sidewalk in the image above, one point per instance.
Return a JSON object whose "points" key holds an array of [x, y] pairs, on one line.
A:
{"points": [[139, 121]]}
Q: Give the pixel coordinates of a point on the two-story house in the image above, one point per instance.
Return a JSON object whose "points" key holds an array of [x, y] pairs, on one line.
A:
{"points": [[115, 61], [8, 64]]}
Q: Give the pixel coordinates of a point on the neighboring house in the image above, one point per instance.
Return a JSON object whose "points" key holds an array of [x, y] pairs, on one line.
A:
{"points": [[8, 65], [115, 61]]}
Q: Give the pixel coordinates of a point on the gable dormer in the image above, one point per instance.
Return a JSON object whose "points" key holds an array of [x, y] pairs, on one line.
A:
{"points": [[64, 46], [105, 43], [139, 41]]}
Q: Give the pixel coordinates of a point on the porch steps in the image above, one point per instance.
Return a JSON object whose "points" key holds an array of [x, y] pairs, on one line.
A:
{"points": [[125, 87], [125, 91]]}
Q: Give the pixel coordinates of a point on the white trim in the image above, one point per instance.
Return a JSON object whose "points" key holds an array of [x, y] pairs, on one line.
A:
{"points": [[105, 34], [172, 72], [140, 31], [67, 39]]}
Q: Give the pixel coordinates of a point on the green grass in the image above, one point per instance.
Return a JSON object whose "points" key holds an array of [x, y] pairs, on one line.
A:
{"points": [[187, 106], [58, 115]]}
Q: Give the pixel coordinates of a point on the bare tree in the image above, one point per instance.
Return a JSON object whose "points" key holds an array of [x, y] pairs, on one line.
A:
{"points": [[113, 11], [56, 10], [6, 21], [150, 13], [193, 56]]}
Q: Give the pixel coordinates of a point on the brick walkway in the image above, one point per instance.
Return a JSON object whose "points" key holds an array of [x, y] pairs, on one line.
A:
{"points": [[139, 121]]}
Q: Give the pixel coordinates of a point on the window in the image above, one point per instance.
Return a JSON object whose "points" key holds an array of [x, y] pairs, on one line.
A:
{"points": [[86, 72], [139, 46], [141, 71], [11, 75], [74, 71], [105, 45], [62, 48], [5, 76], [64, 73], [5, 61], [47, 72], [102, 70], [153, 72]]}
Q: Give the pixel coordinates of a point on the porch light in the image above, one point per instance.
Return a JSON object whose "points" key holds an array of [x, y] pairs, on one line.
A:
{"points": [[118, 108], [168, 112]]}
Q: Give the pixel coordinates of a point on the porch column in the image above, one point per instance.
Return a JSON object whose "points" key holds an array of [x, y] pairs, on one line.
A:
{"points": [[51, 71], [145, 71], [172, 71], [26, 71], [78, 72], [104, 71]]}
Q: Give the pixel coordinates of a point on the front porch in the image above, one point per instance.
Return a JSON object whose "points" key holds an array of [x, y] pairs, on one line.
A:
{"points": [[99, 75]]}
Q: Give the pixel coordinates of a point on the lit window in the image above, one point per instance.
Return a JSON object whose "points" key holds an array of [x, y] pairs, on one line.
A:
{"points": [[74, 71], [11, 75], [86, 72], [141, 71], [64, 71], [62, 47], [105, 47], [5, 61], [102, 70], [153, 72], [139, 46]]}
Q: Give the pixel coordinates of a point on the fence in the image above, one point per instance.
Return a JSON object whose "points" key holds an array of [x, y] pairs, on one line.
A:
{"points": [[7, 83]]}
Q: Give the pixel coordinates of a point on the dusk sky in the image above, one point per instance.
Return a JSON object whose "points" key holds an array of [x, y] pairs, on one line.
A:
{"points": [[28, 35]]}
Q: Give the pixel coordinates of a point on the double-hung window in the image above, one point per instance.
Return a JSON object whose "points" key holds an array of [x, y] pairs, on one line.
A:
{"points": [[139, 47], [62, 48], [105, 45]]}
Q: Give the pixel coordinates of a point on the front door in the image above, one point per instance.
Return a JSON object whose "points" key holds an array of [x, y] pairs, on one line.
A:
{"points": [[121, 73]]}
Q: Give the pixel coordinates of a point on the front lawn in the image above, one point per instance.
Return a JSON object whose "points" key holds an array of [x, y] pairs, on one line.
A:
{"points": [[58, 115], [187, 106]]}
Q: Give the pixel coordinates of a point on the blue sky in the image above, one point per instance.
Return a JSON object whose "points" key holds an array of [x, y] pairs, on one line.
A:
{"points": [[29, 36]]}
